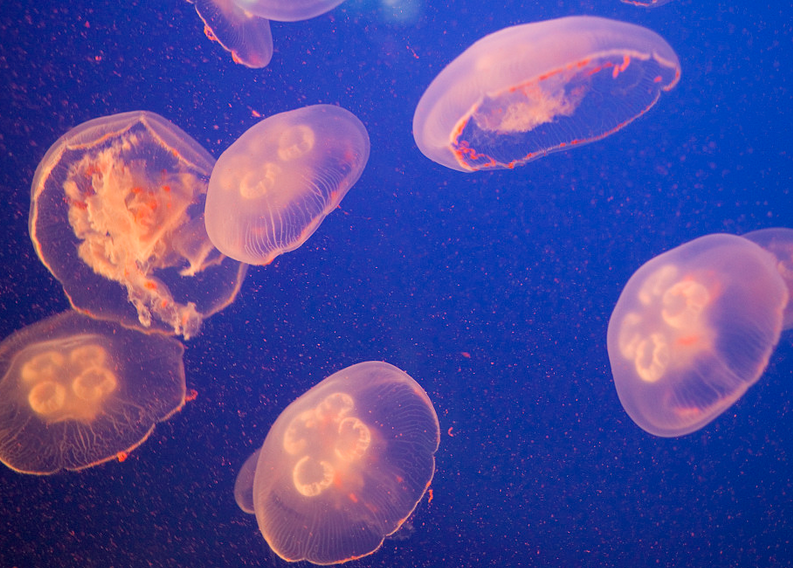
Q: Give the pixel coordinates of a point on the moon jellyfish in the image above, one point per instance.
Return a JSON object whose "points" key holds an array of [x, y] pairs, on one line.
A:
{"points": [[272, 188], [241, 32], [344, 466], [646, 3], [779, 242], [288, 10], [76, 392], [693, 330], [526, 91], [117, 216]]}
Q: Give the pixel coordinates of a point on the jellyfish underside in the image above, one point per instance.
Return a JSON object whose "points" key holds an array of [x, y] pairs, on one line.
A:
{"points": [[499, 105], [130, 225], [523, 108], [68, 379], [554, 112], [117, 216]]}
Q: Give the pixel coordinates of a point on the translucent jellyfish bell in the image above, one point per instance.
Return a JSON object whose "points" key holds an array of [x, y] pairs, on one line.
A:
{"points": [[693, 330], [272, 188], [344, 465], [117, 216], [241, 32], [76, 392], [526, 91]]}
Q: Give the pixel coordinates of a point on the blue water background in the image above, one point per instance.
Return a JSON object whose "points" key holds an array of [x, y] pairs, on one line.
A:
{"points": [[493, 290]]}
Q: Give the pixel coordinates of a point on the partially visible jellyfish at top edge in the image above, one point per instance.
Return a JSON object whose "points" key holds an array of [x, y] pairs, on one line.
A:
{"points": [[76, 392], [271, 189], [526, 91], [344, 465], [242, 27], [694, 328], [245, 35], [116, 215], [646, 3]]}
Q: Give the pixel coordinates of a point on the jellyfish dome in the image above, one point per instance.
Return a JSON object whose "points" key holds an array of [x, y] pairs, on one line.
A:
{"points": [[117, 216], [526, 91], [272, 188], [692, 330], [76, 392], [344, 465], [239, 31]]}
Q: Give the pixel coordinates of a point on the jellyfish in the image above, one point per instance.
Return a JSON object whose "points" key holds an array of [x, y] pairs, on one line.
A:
{"points": [[272, 188], [117, 216], [692, 330], [241, 32], [76, 392], [779, 242], [526, 91], [344, 466], [646, 3], [288, 10]]}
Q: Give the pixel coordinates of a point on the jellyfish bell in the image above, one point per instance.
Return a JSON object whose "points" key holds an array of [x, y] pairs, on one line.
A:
{"points": [[238, 30], [692, 330], [76, 392], [779, 242], [526, 91], [344, 465], [117, 217], [272, 188]]}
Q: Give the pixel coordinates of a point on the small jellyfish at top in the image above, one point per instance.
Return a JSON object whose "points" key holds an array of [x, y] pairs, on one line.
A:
{"points": [[779, 242], [76, 392], [239, 31], [526, 91], [272, 188], [344, 465], [693, 329], [288, 10], [117, 216]]}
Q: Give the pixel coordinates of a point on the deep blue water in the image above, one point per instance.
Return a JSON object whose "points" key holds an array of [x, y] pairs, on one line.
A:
{"points": [[421, 265]]}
